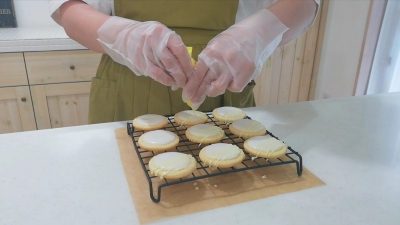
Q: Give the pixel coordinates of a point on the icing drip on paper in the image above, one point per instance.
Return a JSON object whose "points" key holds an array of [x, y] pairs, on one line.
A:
{"points": [[159, 137], [192, 116], [203, 131], [150, 119], [216, 153], [247, 127], [264, 144], [169, 162]]}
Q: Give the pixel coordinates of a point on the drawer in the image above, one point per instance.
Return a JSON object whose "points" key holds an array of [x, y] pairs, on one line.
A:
{"points": [[61, 66], [12, 70]]}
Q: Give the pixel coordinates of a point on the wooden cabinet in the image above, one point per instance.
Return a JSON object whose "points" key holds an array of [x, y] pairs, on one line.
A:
{"points": [[41, 90], [61, 105], [12, 70], [61, 66], [60, 86], [16, 111]]}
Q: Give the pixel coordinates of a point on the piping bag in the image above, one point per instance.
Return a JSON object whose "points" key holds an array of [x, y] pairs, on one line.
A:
{"points": [[189, 103]]}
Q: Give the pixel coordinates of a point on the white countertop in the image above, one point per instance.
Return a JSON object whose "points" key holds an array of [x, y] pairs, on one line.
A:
{"points": [[45, 38], [74, 175]]}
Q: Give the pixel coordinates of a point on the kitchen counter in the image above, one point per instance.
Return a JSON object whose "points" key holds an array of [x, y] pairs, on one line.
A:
{"points": [[27, 39], [74, 175]]}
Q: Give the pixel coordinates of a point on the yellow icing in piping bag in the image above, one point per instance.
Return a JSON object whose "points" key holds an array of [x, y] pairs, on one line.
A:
{"points": [[190, 49], [189, 103]]}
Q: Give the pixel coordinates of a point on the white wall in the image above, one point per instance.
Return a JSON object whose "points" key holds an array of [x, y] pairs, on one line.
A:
{"points": [[341, 50], [33, 13]]}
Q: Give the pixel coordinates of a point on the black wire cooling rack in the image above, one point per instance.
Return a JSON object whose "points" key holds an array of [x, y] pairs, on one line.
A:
{"points": [[203, 171]]}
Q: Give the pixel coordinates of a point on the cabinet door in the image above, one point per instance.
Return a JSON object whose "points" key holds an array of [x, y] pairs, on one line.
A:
{"points": [[61, 66], [12, 70], [61, 105], [16, 112]]}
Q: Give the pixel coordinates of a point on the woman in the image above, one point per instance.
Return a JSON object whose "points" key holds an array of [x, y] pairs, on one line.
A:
{"points": [[144, 45]]}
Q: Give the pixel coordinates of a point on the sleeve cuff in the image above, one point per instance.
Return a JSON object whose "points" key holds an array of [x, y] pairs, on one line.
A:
{"points": [[54, 6], [104, 6], [315, 16]]}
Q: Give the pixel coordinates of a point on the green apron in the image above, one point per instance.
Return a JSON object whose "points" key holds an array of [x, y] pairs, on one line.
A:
{"points": [[117, 94]]}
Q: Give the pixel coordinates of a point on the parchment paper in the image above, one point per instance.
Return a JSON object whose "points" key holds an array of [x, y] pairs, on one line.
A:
{"points": [[215, 192]]}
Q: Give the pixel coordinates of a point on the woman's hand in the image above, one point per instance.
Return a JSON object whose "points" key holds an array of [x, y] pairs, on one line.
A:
{"points": [[147, 48], [234, 57]]}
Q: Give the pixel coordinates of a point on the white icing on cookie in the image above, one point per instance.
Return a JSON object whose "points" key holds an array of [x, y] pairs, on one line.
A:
{"points": [[190, 115], [150, 119], [204, 130], [159, 137], [222, 151], [170, 162], [247, 126], [265, 144], [229, 112]]}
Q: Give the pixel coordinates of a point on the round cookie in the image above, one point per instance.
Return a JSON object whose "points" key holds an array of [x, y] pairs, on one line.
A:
{"points": [[222, 155], [150, 122], [190, 118], [247, 128], [172, 165], [158, 140], [204, 133], [228, 114], [265, 147]]}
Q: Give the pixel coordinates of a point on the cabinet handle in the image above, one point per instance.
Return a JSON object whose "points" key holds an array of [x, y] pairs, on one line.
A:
{"points": [[72, 67], [23, 99]]}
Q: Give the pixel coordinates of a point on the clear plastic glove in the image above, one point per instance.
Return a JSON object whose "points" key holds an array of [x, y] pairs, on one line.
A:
{"points": [[235, 57], [147, 48]]}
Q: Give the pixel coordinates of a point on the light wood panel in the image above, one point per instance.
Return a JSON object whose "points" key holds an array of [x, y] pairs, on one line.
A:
{"points": [[276, 64], [12, 70], [61, 66], [297, 65], [39, 99], [289, 74], [262, 90], [308, 61], [61, 105], [70, 110], [318, 49], [286, 72], [16, 112]]}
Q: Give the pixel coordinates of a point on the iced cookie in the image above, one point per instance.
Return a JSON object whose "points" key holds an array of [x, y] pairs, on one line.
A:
{"points": [[150, 122], [221, 155], [172, 165], [228, 114], [204, 133], [265, 147], [189, 118], [247, 128], [158, 140]]}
